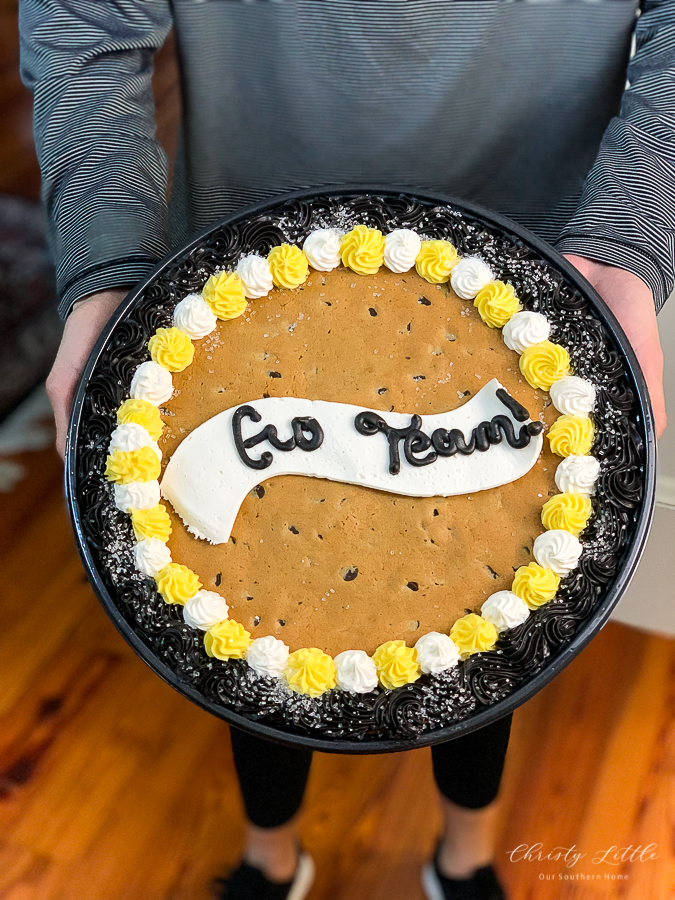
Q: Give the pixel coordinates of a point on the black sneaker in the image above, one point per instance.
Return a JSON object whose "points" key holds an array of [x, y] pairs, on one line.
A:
{"points": [[483, 884], [249, 883]]}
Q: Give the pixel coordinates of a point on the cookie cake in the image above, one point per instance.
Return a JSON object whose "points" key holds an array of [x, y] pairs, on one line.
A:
{"points": [[370, 463]]}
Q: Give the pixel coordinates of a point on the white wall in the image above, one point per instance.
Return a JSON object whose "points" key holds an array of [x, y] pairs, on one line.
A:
{"points": [[649, 602]]}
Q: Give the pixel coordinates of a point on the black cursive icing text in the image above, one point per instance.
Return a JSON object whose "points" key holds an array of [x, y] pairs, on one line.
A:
{"points": [[307, 435], [444, 442]]}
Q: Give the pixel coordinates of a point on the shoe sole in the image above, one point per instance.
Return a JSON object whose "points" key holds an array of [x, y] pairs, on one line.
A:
{"points": [[430, 884], [304, 878]]}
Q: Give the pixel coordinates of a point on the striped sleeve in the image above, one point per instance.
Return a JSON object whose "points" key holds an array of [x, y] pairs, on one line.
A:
{"points": [[104, 174], [626, 215]]}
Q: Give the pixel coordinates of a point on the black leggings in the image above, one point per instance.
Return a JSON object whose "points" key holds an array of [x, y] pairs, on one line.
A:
{"points": [[273, 777]]}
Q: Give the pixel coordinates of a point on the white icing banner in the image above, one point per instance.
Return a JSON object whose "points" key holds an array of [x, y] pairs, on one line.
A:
{"points": [[223, 459]]}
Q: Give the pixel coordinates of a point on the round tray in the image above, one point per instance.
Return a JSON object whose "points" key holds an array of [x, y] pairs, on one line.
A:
{"points": [[553, 635]]}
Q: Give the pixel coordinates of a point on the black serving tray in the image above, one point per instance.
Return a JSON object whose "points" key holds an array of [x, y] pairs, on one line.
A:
{"points": [[551, 648]]}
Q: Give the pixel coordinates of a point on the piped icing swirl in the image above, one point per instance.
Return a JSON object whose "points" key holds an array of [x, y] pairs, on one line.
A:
{"points": [[227, 640], [256, 276], [525, 329], [204, 610], [544, 364], [135, 465], [473, 634], [573, 396], [505, 610], [171, 348], [362, 250], [177, 583], [396, 664], [288, 265], [152, 383], [141, 412], [151, 523], [577, 475], [132, 436], [496, 303], [268, 656], [571, 436], [322, 249], [355, 671], [401, 247], [310, 671], [570, 512], [194, 317], [436, 653], [137, 495], [151, 556], [224, 294], [436, 260], [558, 550], [535, 584], [470, 276]]}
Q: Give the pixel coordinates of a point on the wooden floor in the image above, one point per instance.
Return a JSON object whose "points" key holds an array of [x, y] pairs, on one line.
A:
{"points": [[113, 786]]}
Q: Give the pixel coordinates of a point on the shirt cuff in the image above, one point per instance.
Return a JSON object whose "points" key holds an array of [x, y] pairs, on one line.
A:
{"points": [[623, 256], [114, 273]]}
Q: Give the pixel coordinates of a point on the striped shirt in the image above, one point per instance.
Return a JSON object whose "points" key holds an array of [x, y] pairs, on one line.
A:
{"points": [[521, 106]]}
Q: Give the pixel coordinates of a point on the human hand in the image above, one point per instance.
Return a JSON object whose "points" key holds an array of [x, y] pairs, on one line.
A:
{"points": [[632, 303], [83, 326]]}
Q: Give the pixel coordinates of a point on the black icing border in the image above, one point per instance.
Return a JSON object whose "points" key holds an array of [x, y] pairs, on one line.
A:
{"points": [[483, 688]]}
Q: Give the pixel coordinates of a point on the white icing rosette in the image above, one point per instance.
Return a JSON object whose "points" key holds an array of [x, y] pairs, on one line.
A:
{"points": [[355, 671], [322, 249], [436, 652], [577, 475], [470, 276], [505, 610], [132, 436], [194, 317], [573, 396], [401, 248], [255, 273], [268, 656], [558, 550], [151, 382], [137, 495], [204, 609], [525, 329], [151, 555]]}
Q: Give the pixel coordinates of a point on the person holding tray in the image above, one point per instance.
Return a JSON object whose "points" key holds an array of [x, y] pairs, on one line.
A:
{"points": [[521, 107]]}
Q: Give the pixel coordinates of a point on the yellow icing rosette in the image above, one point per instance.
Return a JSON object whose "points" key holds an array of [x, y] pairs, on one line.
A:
{"points": [[171, 348], [224, 294], [288, 265], [396, 664], [310, 671], [544, 364], [124, 466], [151, 523], [571, 436], [177, 583], [436, 260], [227, 640], [473, 634], [142, 413], [535, 585], [362, 250], [568, 512], [496, 303]]}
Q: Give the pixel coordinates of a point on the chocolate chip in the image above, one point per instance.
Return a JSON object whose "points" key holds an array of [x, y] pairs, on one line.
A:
{"points": [[266, 395], [219, 578], [465, 393], [382, 390], [424, 301], [419, 377], [413, 586], [274, 374], [372, 311], [293, 529], [249, 598], [256, 620], [350, 573], [281, 621], [436, 513], [259, 491], [408, 327], [233, 539], [492, 572]]}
